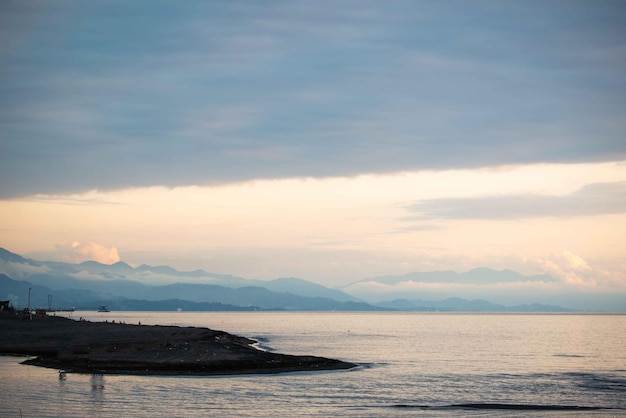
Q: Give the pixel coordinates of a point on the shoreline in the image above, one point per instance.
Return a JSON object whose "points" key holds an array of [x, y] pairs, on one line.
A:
{"points": [[115, 348]]}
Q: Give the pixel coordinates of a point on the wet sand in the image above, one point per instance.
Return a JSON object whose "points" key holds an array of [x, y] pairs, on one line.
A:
{"points": [[115, 348]]}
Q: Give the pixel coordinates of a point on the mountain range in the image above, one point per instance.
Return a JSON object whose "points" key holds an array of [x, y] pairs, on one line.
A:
{"points": [[120, 286], [480, 275]]}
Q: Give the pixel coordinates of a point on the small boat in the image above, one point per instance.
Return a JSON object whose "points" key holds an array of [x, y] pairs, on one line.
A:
{"points": [[103, 308]]}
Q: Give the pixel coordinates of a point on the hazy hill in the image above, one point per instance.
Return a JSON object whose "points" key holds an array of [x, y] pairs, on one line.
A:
{"points": [[171, 297], [123, 279], [90, 284], [481, 275], [464, 305]]}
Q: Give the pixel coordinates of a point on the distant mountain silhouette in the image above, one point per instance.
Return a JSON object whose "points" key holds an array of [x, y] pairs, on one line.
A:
{"points": [[121, 286], [481, 275], [90, 284], [12, 257], [126, 280], [464, 305]]}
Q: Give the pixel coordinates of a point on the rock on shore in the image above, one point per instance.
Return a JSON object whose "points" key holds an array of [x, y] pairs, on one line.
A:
{"points": [[115, 348]]}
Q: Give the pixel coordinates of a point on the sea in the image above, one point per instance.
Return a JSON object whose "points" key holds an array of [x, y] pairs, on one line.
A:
{"points": [[410, 364]]}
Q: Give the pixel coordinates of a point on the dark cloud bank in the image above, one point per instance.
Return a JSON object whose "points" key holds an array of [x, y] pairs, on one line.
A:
{"points": [[106, 95]]}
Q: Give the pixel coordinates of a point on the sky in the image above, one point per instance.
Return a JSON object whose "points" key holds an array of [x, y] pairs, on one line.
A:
{"points": [[328, 140]]}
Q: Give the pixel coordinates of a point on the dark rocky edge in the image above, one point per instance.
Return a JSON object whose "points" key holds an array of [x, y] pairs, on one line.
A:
{"points": [[115, 348]]}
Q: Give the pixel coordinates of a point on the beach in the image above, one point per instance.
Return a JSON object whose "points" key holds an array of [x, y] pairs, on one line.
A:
{"points": [[119, 348]]}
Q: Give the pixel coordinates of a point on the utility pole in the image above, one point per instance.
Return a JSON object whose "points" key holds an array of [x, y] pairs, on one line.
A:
{"points": [[26, 314]]}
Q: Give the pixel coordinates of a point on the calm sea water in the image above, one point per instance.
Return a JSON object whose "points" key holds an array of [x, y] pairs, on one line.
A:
{"points": [[412, 364]]}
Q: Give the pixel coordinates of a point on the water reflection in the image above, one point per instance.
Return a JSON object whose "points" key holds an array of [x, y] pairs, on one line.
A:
{"points": [[97, 382], [97, 394]]}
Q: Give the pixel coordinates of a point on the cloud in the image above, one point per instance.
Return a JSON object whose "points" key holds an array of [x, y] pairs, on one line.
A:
{"points": [[20, 270], [574, 271], [92, 251], [592, 199], [105, 96], [575, 280]]}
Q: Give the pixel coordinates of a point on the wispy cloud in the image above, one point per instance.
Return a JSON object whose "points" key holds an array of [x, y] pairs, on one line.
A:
{"points": [[416, 228], [593, 199]]}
